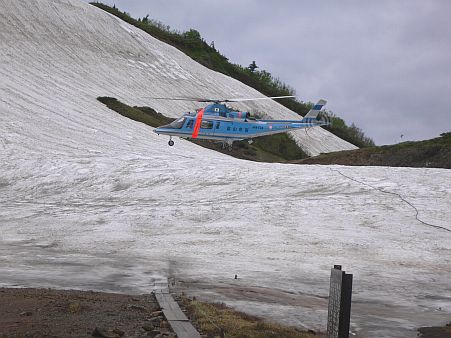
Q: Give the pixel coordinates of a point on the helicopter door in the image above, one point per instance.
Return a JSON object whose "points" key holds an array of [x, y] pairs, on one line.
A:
{"points": [[217, 125], [207, 127], [190, 124]]}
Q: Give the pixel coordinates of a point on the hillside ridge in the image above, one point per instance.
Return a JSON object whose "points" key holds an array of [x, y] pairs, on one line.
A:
{"points": [[433, 153]]}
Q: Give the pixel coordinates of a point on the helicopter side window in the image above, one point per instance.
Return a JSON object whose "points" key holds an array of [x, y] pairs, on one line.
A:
{"points": [[246, 130], [241, 129], [190, 124], [217, 125], [228, 128], [206, 125], [177, 124]]}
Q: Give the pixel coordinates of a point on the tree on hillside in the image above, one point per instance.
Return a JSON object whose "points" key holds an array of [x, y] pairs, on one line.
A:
{"points": [[252, 67], [192, 34]]}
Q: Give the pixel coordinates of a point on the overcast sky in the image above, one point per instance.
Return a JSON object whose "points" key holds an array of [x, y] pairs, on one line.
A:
{"points": [[384, 65]]}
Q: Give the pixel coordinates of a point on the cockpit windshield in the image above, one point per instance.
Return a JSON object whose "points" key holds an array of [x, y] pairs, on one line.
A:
{"points": [[177, 124]]}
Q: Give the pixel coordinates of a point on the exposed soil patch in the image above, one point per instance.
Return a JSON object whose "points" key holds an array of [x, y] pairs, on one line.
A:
{"points": [[68, 313]]}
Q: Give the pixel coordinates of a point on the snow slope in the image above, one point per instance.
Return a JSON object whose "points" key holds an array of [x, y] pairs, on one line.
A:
{"points": [[82, 48], [92, 200]]}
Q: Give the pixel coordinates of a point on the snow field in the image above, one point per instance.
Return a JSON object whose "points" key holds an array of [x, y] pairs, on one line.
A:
{"points": [[92, 200]]}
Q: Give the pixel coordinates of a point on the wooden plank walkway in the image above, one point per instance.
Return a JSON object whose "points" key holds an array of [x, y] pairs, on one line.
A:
{"points": [[171, 310]]}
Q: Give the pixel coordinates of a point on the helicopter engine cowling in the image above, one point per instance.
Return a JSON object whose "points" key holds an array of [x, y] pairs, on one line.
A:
{"points": [[239, 115]]}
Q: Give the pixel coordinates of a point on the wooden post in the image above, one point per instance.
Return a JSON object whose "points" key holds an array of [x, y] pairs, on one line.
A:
{"points": [[339, 311]]}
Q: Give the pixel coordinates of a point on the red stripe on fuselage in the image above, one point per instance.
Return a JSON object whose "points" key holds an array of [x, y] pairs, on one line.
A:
{"points": [[197, 124]]}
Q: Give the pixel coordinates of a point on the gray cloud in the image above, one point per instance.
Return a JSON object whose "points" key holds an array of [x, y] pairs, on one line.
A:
{"points": [[384, 65]]}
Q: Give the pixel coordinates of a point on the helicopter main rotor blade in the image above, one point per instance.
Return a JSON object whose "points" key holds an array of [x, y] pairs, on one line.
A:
{"points": [[258, 98], [198, 99], [193, 99]]}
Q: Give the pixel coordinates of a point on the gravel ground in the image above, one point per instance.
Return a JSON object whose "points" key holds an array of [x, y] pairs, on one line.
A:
{"points": [[69, 313]]}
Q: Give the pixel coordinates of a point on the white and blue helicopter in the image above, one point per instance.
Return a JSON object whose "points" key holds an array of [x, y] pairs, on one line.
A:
{"points": [[219, 123]]}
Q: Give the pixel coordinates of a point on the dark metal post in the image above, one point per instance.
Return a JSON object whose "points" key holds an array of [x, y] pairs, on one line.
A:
{"points": [[339, 311]]}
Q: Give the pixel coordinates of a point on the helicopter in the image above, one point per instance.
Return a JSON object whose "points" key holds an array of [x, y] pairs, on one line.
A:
{"points": [[220, 123]]}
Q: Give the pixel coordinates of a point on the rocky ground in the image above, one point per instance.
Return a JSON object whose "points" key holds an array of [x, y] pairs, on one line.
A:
{"points": [[40, 313]]}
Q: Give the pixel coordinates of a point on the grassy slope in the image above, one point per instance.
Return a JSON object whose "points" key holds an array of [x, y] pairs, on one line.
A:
{"points": [[275, 148], [210, 318], [434, 153]]}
